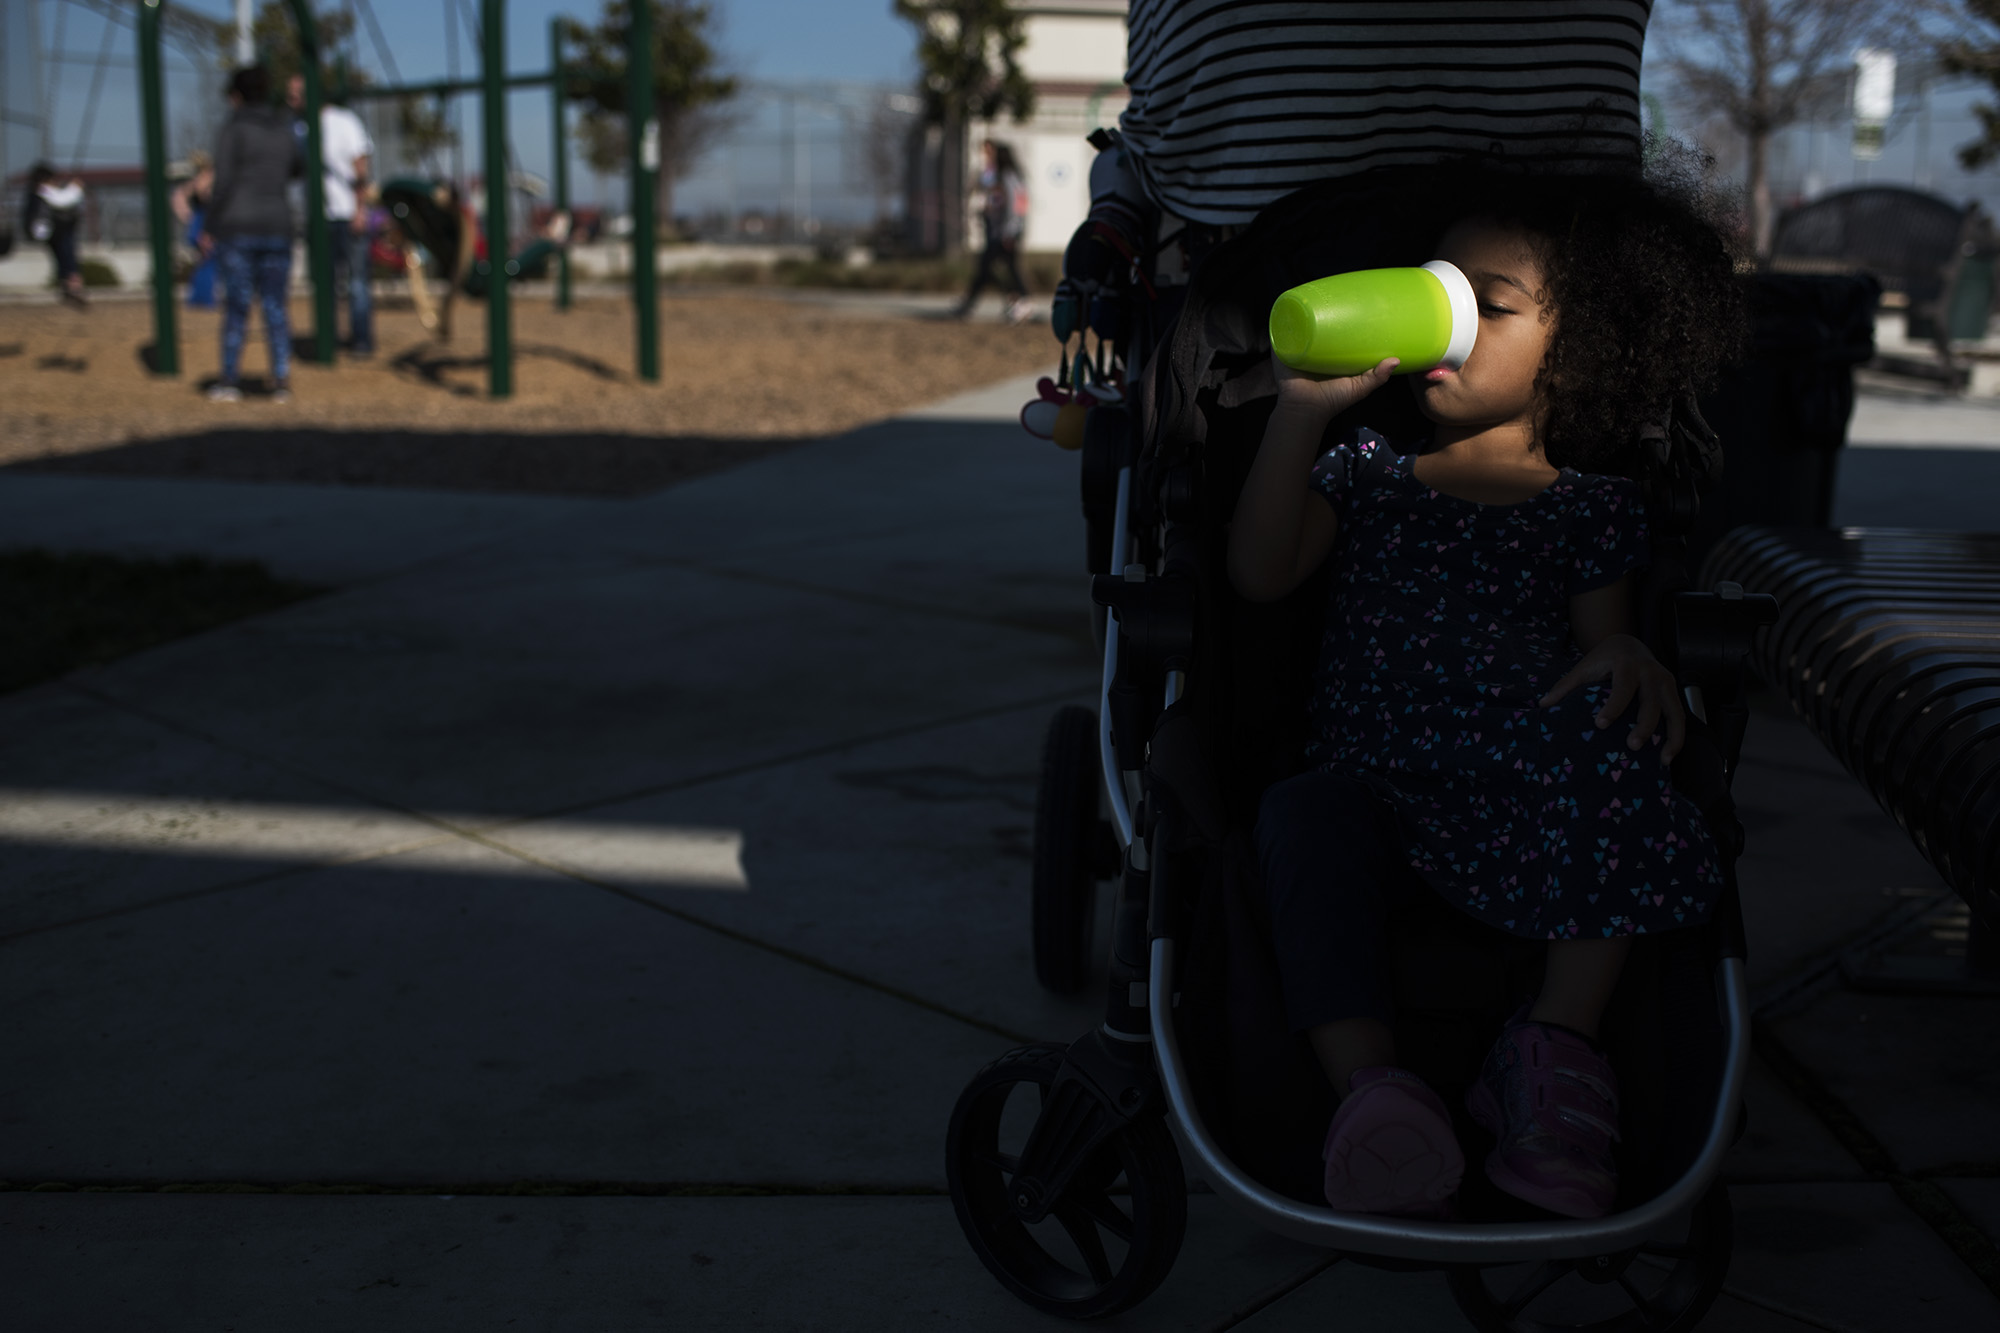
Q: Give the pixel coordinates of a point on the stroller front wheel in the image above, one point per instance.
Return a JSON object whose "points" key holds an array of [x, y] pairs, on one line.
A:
{"points": [[1664, 1286], [1111, 1238]]}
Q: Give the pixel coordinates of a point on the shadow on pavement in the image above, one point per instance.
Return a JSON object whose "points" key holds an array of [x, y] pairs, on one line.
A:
{"points": [[589, 464], [1953, 489]]}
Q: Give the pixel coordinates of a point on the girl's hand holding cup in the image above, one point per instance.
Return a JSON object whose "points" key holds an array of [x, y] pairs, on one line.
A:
{"points": [[1327, 396]]}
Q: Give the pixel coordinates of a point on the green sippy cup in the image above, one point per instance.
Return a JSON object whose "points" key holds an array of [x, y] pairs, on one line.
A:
{"points": [[1344, 324]]}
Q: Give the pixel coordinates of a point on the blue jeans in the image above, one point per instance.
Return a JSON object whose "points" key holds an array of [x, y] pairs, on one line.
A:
{"points": [[262, 264], [62, 245], [350, 272], [201, 282]]}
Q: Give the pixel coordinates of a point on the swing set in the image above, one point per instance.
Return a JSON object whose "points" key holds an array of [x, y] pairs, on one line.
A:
{"points": [[435, 223]]}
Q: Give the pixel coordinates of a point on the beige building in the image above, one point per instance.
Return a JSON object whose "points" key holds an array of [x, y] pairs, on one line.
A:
{"points": [[1075, 57]]}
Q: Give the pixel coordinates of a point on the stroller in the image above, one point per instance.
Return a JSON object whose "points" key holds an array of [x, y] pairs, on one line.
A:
{"points": [[1066, 1163]]}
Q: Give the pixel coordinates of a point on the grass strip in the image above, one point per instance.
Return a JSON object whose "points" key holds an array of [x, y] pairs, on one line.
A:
{"points": [[67, 611]]}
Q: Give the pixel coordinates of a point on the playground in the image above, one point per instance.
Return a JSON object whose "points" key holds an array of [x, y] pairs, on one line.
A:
{"points": [[741, 375]]}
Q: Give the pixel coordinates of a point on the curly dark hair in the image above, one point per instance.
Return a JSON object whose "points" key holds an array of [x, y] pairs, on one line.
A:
{"points": [[1641, 281]]}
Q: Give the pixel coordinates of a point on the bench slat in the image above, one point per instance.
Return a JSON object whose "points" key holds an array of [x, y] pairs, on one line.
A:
{"points": [[1888, 646]]}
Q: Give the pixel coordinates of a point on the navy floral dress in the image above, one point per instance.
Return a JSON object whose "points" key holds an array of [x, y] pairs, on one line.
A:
{"points": [[1449, 621]]}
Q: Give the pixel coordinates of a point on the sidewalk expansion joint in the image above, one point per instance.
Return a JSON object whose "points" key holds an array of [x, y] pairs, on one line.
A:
{"points": [[226, 886], [928, 609], [1820, 970], [552, 1189], [1960, 1171], [493, 843], [1271, 1295], [1921, 1194], [1797, 1316], [820, 751], [783, 951], [687, 783]]}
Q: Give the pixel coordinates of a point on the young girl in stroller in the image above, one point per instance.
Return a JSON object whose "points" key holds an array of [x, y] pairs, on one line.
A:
{"points": [[1487, 727]]}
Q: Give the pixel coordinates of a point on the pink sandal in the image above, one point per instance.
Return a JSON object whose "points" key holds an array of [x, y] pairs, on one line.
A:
{"points": [[1551, 1100], [1390, 1148]]}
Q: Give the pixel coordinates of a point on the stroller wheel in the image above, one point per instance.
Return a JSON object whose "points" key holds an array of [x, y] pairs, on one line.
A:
{"points": [[1111, 1238], [1070, 851], [1664, 1286]]}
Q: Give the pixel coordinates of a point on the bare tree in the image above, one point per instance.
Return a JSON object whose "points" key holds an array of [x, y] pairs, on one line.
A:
{"points": [[1762, 65]]}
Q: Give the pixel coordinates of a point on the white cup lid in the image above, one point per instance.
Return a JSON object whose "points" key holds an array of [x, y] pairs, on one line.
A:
{"points": [[1464, 311]]}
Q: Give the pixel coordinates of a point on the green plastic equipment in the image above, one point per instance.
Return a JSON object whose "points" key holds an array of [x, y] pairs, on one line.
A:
{"points": [[1344, 324]]}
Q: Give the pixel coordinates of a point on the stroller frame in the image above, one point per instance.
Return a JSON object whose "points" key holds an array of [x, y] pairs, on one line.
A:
{"points": [[1118, 1084], [1393, 1237]]}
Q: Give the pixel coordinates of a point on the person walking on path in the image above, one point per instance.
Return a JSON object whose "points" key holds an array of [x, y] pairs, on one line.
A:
{"points": [[190, 202], [347, 153], [1004, 209], [249, 227], [52, 213]]}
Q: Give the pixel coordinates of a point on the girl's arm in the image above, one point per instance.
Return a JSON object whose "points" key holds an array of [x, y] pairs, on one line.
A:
{"points": [[1602, 624], [1281, 531]]}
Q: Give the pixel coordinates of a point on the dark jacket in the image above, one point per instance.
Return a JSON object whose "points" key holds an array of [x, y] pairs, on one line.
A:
{"points": [[255, 155]]}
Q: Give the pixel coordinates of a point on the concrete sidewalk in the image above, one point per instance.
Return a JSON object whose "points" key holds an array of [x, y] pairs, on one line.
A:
{"points": [[586, 914]]}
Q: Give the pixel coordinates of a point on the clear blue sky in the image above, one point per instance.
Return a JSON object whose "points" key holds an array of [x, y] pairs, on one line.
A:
{"points": [[779, 40], [769, 39], [857, 41]]}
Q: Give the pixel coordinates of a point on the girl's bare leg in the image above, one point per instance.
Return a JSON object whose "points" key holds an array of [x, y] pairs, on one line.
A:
{"points": [[1576, 986], [1348, 1044], [1577, 983]]}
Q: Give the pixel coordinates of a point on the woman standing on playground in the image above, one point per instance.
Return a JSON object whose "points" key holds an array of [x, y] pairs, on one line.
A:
{"points": [[1004, 209], [249, 227]]}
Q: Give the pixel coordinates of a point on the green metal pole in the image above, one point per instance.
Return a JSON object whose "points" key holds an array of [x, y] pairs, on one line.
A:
{"points": [[375, 92], [559, 148], [319, 254], [153, 118], [499, 324], [645, 136]]}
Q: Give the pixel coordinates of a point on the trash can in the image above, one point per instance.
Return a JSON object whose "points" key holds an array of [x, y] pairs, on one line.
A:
{"points": [[1782, 414]]}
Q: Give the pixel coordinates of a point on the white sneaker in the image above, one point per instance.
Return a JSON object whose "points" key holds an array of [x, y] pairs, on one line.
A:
{"points": [[1019, 311], [224, 393], [282, 394]]}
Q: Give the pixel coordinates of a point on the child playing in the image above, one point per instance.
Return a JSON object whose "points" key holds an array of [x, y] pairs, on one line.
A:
{"points": [[1479, 649]]}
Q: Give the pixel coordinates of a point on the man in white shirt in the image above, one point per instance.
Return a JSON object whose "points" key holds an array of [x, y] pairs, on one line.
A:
{"points": [[348, 155]]}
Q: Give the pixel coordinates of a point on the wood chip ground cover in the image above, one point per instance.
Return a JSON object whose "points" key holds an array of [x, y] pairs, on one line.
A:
{"points": [[741, 376]]}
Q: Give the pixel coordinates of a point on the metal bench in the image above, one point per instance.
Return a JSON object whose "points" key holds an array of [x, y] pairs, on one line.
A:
{"points": [[1888, 646]]}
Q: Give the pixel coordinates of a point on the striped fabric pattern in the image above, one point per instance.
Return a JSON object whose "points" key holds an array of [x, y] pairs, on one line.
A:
{"points": [[1236, 103]]}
